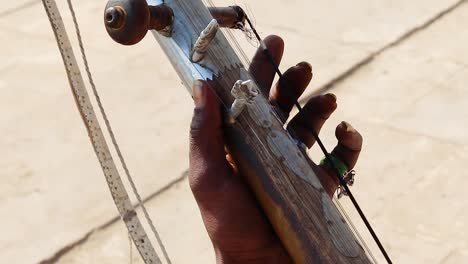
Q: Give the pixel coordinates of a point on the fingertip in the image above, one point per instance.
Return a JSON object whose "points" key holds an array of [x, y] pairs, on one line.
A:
{"points": [[331, 97], [203, 95], [207, 113], [261, 68], [293, 84], [326, 104], [348, 127], [344, 129], [274, 43], [304, 72], [198, 93], [321, 106], [307, 66], [340, 130], [348, 136]]}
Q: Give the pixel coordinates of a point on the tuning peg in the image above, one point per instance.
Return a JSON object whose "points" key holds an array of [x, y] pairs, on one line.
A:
{"points": [[245, 94], [229, 17], [128, 21], [203, 42]]}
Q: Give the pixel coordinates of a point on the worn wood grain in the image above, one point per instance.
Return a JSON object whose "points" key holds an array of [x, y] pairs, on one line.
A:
{"points": [[280, 175]]}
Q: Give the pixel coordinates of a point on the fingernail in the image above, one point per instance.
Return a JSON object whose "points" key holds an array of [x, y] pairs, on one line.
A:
{"points": [[305, 65], [331, 96], [198, 93], [349, 128]]}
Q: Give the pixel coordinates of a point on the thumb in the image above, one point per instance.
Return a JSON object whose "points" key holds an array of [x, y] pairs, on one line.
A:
{"points": [[207, 156]]}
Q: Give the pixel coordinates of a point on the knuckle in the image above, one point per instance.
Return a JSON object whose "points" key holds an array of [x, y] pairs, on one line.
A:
{"points": [[196, 180], [198, 123]]}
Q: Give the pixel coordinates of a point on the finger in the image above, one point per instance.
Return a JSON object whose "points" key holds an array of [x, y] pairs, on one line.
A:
{"points": [[312, 117], [261, 68], [207, 155], [349, 144], [290, 87], [222, 196]]}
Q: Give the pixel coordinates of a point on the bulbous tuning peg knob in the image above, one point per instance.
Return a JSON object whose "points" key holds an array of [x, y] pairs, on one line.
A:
{"points": [[128, 21], [229, 17]]}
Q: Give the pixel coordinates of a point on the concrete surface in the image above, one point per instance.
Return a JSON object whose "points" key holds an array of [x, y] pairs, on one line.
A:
{"points": [[407, 99], [412, 103]]}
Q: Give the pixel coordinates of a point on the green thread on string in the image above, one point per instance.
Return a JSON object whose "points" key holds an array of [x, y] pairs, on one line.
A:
{"points": [[341, 167]]}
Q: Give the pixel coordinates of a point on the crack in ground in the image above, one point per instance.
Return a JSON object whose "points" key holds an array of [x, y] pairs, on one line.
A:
{"points": [[69, 247], [359, 65], [331, 84]]}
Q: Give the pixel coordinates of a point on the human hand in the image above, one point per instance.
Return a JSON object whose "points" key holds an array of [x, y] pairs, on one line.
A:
{"points": [[236, 224]]}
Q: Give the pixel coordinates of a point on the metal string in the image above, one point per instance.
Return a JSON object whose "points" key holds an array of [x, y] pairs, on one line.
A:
{"points": [[329, 160], [298, 106], [242, 54], [111, 133], [348, 220], [231, 39]]}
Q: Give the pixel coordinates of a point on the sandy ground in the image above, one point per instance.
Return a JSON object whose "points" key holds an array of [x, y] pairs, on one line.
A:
{"points": [[399, 69]]}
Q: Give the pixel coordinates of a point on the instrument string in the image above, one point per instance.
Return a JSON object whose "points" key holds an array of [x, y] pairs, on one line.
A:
{"points": [[232, 40], [353, 227], [112, 135], [328, 157], [241, 53], [341, 179], [246, 60]]}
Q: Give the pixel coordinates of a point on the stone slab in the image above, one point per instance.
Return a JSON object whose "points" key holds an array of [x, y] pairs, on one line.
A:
{"points": [[175, 214], [53, 188], [335, 35]]}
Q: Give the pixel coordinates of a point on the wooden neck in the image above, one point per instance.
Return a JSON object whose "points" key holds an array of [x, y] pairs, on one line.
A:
{"points": [[279, 173]]}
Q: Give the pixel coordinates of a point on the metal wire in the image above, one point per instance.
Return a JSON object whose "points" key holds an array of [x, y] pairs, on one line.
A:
{"points": [[131, 181], [112, 135], [324, 150]]}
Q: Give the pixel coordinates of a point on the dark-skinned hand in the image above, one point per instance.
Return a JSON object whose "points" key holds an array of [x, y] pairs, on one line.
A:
{"points": [[237, 226]]}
